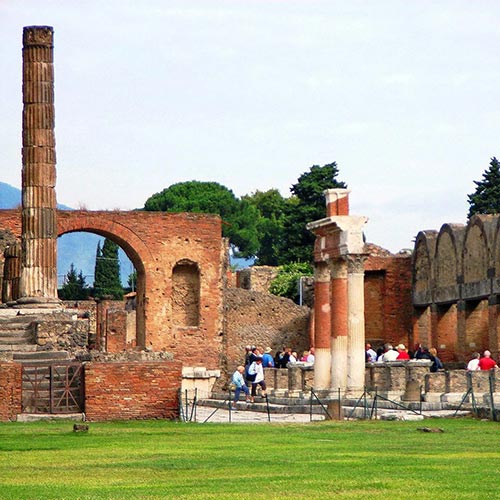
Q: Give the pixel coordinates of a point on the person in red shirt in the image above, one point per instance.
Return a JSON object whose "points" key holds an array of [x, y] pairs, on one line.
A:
{"points": [[403, 353], [486, 362]]}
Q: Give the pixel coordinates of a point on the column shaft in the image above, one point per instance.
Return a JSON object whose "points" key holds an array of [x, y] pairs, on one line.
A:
{"points": [[339, 325], [39, 225], [322, 327], [356, 325]]}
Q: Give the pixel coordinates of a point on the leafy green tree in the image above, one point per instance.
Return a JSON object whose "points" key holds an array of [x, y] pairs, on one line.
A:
{"points": [[74, 287], [286, 283], [306, 205], [486, 197], [271, 207], [107, 281], [239, 217]]}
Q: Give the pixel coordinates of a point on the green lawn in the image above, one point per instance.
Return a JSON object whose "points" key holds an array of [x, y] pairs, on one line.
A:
{"points": [[159, 459]]}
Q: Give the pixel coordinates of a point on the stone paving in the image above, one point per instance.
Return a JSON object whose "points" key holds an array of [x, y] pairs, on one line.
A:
{"points": [[219, 415]]}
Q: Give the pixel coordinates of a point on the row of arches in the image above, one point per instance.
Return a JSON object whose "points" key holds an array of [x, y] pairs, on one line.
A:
{"points": [[458, 262], [456, 287]]}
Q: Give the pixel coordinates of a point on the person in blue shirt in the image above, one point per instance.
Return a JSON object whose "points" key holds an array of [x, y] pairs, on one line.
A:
{"points": [[239, 385], [267, 359]]}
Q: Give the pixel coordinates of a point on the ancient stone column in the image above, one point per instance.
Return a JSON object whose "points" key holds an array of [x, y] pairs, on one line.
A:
{"points": [[339, 307], [39, 230], [322, 327], [356, 324]]}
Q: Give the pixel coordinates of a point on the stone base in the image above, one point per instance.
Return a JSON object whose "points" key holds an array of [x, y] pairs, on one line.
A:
{"points": [[433, 397], [38, 302], [455, 397]]}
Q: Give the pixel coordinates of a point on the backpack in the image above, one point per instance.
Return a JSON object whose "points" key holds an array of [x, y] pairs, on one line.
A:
{"points": [[249, 376]]}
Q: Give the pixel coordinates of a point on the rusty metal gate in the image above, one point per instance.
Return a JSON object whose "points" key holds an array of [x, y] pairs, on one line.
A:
{"points": [[52, 388]]}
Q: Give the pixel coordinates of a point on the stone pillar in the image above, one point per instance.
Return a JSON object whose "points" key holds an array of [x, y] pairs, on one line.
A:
{"points": [[39, 228], [12, 271], [322, 329], [356, 324], [339, 320]]}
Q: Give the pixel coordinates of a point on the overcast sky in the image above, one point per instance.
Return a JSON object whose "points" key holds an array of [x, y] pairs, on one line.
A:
{"points": [[403, 95]]}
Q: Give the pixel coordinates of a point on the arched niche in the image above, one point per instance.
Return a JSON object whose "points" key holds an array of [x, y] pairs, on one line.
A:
{"points": [[186, 294], [475, 259], [422, 267], [446, 263]]}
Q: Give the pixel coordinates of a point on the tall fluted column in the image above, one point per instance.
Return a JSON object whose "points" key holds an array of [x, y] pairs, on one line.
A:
{"points": [[322, 327], [356, 324], [39, 229], [340, 304]]}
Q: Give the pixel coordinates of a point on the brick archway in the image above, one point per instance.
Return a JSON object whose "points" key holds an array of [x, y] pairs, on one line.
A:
{"points": [[155, 242], [109, 226]]}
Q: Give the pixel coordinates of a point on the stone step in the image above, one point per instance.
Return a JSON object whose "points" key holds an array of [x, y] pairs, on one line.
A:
{"points": [[17, 348], [34, 417], [40, 357], [15, 340]]}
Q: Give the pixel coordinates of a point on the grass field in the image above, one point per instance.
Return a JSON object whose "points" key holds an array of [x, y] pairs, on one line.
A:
{"points": [[159, 459]]}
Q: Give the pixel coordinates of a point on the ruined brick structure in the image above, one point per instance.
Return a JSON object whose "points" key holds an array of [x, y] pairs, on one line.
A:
{"points": [[180, 259], [456, 288], [175, 255]]}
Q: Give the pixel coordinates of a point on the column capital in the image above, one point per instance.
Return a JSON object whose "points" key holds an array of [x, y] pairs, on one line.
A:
{"points": [[356, 263], [38, 35], [338, 268], [321, 272]]}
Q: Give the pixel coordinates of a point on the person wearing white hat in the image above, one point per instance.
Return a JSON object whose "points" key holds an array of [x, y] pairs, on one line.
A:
{"points": [[403, 353]]}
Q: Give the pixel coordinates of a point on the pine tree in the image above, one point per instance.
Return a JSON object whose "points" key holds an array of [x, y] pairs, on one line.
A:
{"points": [[107, 281], [306, 205], [486, 197], [74, 287]]}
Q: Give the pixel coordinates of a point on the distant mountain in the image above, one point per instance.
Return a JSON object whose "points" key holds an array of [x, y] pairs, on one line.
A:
{"points": [[78, 249], [10, 197]]}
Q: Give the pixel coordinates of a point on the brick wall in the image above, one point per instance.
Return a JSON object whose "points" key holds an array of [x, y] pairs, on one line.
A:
{"points": [[10, 391], [116, 330], [388, 306], [446, 338], [253, 318], [476, 325], [128, 391]]}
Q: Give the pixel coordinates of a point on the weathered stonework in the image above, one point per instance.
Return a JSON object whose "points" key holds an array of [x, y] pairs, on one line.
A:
{"points": [[62, 335], [253, 318]]}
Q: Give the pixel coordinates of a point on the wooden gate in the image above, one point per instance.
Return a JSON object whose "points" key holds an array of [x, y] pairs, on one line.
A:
{"points": [[52, 388]]}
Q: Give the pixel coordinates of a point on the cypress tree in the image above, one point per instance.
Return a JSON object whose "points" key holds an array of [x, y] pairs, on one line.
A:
{"points": [[107, 281], [486, 197]]}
